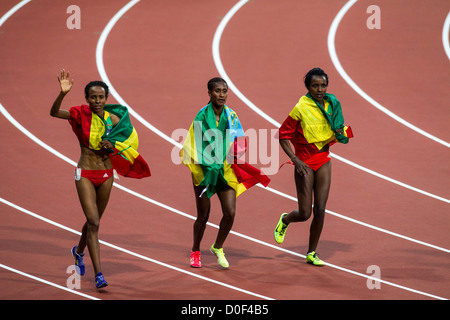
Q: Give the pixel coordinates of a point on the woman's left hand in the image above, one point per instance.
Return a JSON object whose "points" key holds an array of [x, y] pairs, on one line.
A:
{"points": [[106, 144]]}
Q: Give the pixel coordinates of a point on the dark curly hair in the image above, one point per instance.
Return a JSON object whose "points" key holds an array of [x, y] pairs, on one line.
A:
{"points": [[314, 72], [213, 81], [94, 84]]}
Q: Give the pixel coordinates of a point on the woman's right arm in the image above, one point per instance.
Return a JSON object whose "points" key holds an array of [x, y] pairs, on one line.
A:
{"points": [[65, 85], [300, 166]]}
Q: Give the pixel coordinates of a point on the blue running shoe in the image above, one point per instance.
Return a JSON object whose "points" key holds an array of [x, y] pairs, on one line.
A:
{"points": [[78, 260], [100, 281]]}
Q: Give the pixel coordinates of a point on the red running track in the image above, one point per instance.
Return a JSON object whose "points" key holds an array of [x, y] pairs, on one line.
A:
{"points": [[158, 58]]}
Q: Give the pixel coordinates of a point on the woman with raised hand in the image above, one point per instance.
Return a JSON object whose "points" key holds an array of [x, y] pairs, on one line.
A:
{"points": [[108, 143]]}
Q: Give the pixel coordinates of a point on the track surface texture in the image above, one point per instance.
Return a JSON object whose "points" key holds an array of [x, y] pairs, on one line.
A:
{"points": [[389, 202]]}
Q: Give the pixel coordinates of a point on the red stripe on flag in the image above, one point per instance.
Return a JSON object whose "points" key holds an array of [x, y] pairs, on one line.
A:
{"points": [[138, 170], [249, 175], [349, 132]]}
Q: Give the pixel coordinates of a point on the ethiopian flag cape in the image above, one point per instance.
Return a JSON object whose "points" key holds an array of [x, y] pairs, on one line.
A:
{"points": [[334, 116], [90, 129], [212, 150], [310, 127]]}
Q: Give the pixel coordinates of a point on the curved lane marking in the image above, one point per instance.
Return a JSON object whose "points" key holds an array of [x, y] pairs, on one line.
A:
{"points": [[222, 72], [58, 154], [12, 11], [101, 68], [52, 284], [28, 212], [104, 76], [61, 156], [445, 35], [354, 86], [47, 147]]}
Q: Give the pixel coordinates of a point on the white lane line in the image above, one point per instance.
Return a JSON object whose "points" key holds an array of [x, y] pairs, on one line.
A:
{"points": [[216, 54], [47, 282], [222, 72], [368, 225], [181, 213], [399, 183], [104, 76], [28, 212], [215, 281], [42, 144], [61, 156], [219, 66], [445, 34], [3, 19], [54, 152], [6, 114], [354, 86], [13, 10]]}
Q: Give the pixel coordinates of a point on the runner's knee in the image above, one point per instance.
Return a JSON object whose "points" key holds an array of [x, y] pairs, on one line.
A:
{"points": [[202, 217], [319, 211], [301, 214], [229, 214], [93, 225]]}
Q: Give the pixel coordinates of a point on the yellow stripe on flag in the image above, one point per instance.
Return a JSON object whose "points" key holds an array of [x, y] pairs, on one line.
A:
{"points": [[97, 131]]}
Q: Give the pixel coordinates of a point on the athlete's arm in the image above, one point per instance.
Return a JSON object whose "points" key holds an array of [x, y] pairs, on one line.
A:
{"points": [[65, 85]]}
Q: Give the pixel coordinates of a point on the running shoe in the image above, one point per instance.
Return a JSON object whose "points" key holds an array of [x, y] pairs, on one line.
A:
{"points": [[195, 259], [221, 260], [312, 258], [78, 260], [280, 230], [100, 281]]}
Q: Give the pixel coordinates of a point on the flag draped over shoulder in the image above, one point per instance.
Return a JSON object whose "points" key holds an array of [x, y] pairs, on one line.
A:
{"points": [[211, 151], [310, 126], [334, 117], [91, 129]]}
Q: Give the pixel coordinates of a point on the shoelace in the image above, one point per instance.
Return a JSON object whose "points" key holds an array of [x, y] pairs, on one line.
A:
{"points": [[283, 229], [195, 256], [79, 258]]}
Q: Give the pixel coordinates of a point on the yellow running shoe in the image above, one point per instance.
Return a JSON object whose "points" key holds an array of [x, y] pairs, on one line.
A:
{"points": [[220, 257], [313, 259], [280, 230]]}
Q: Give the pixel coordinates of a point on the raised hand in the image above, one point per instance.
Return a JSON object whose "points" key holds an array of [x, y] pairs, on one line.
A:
{"points": [[66, 85], [64, 82]]}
